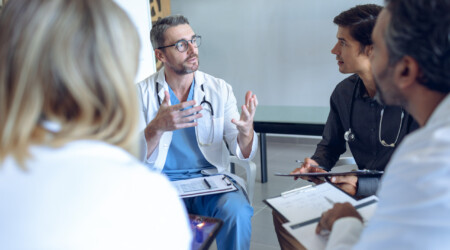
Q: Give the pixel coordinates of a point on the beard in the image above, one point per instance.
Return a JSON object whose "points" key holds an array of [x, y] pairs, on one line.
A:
{"points": [[388, 92], [182, 69]]}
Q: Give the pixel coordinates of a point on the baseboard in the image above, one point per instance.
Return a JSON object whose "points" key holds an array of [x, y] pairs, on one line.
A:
{"points": [[297, 139]]}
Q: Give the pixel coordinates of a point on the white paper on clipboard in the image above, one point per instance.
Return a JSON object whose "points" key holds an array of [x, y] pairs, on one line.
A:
{"points": [[206, 185]]}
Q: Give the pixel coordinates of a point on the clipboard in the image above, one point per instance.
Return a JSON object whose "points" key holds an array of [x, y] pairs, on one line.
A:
{"points": [[360, 173], [207, 185], [310, 200], [303, 207], [304, 231]]}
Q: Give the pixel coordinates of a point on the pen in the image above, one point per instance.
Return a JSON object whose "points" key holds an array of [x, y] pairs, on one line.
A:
{"points": [[329, 200], [316, 166], [207, 183]]}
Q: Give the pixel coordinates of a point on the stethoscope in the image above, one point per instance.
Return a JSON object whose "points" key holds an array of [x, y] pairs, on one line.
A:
{"points": [[204, 101], [349, 135]]}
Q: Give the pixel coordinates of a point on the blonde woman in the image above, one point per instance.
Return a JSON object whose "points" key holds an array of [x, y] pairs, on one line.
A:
{"points": [[68, 123]]}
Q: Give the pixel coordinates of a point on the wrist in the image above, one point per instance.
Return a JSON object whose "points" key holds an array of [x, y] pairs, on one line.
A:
{"points": [[248, 135], [151, 132]]}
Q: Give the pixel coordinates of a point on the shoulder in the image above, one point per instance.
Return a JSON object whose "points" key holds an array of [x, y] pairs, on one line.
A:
{"points": [[344, 90], [204, 78], [347, 85], [423, 152], [148, 83]]}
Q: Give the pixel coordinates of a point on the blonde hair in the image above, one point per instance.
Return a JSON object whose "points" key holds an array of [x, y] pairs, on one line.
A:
{"points": [[71, 62]]}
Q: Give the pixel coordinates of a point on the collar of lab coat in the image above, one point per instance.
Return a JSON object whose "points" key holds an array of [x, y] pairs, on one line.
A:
{"points": [[163, 86]]}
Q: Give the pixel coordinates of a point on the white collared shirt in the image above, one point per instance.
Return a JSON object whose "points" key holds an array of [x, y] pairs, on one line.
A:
{"points": [[414, 198]]}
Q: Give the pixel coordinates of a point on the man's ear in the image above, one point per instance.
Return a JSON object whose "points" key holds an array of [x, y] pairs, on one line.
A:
{"points": [[368, 50], [406, 72], [160, 55]]}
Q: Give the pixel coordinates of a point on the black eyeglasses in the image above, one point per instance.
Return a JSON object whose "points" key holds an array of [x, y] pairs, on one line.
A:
{"points": [[183, 45]]}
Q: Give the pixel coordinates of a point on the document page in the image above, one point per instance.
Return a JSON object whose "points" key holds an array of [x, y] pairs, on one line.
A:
{"points": [[204, 186], [308, 202], [305, 231]]}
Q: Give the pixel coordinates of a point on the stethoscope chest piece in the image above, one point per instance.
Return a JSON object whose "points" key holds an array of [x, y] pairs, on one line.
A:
{"points": [[349, 135]]}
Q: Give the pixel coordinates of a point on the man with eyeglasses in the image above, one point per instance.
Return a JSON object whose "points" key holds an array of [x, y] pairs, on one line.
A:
{"points": [[189, 116]]}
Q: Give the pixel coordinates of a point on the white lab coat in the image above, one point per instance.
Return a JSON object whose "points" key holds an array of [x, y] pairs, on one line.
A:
{"points": [[220, 95], [88, 195], [414, 198]]}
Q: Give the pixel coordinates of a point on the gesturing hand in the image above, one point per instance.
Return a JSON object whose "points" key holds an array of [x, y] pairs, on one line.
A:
{"points": [[245, 123], [174, 117]]}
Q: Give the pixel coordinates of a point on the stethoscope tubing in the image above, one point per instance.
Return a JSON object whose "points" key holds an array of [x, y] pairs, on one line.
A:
{"points": [[349, 136], [204, 101]]}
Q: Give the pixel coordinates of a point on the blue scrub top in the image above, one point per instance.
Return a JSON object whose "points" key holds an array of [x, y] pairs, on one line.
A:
{"points": [[184, 159]]}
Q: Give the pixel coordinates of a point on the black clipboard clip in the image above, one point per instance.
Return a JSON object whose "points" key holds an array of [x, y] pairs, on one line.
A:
{"points": [[226, 180]]}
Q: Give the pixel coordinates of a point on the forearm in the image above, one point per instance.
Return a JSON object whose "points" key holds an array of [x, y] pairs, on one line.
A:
{"points": [[245, 142], [326, 156], [152, 138]]}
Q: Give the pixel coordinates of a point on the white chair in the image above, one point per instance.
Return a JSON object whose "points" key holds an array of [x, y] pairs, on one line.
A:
{"points": [[344, 164], [250, 170], [345, 161]]}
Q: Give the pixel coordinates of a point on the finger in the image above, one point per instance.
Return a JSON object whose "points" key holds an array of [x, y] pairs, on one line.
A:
{"points": [[296, 171], [239, 123], [189, 119], [256, 100], [183, 105], [248, 95], [186, 125], [190, 111], [245, 113], [252, 107], [344, 179], [338, 179], [316, 180], [311, 161], [317, 170], [318, 228], [305, 169], [322, 223]]}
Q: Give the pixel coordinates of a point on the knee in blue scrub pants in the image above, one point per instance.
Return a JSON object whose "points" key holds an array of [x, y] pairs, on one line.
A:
{"points": [[233, 209]]}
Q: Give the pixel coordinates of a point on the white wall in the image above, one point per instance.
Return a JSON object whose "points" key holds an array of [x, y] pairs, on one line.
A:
{"points": [[139, 13], [278, 49]]}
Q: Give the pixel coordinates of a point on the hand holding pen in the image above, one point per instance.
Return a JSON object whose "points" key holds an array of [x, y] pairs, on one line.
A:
{"points": [[309, 166], [338, 211]]}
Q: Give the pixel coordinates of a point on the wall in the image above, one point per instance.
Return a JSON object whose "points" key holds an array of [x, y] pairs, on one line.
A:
{"points": [[139, 13], [278, 49]]}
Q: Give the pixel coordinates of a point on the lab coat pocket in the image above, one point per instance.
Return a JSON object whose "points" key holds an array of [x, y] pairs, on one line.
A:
{"points": [[209, 130]]}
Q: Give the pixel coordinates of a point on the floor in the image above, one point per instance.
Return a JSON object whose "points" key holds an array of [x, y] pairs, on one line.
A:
{"points": [[282, 151]]}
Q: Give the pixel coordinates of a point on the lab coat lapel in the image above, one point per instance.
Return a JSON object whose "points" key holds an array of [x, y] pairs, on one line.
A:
{"points": [[198, 93], [161, 85]]}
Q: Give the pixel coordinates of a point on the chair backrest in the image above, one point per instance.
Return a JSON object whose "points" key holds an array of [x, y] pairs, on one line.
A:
{"points": [[250, 170]]}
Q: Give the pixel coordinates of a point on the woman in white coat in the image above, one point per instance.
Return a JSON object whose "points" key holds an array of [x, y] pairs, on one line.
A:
{"points": [[68, 124]]}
